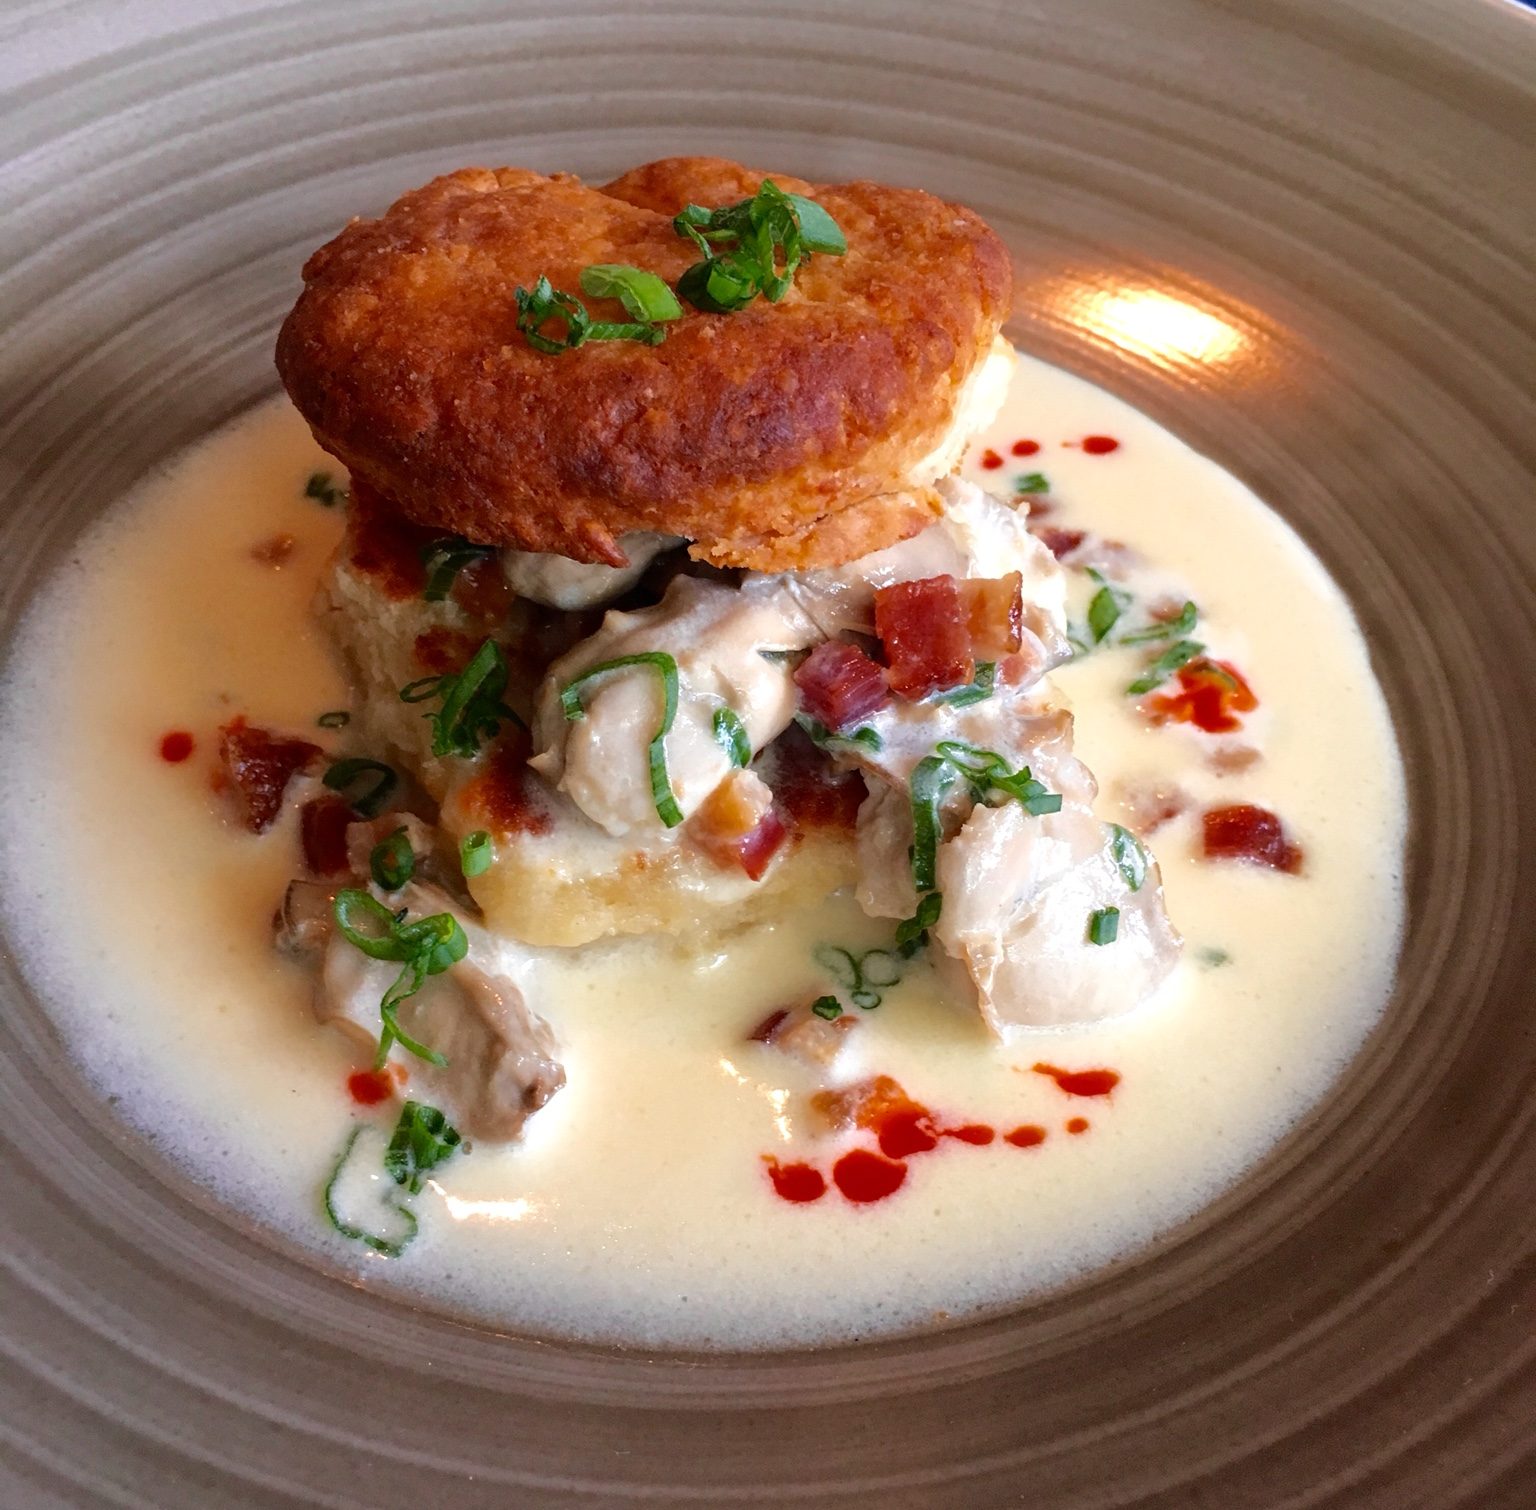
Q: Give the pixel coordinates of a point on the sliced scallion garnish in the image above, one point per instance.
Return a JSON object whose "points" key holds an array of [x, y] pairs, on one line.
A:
{"points": [[1129, 856], [976, 691], [1170, 629], [643, 295], [656, 752], [1106, 606], [392, 861], [388, 1247], [345, 774], [1169, 661], [444, 558], [731, 735], [336, 718], [1104, 925], [476, 853], [423, 1138]]}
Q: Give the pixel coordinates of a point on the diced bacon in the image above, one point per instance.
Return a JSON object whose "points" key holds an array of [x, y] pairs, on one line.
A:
{"points": [[1057, 541], [323, 834], [994, 614], [1254, 834], [259, 766], [797, 1030], [503, 796], [924, 629], [865, 1104], [1230, 760], [383, 545], [839, 684], [1211, 694], [808, 791], [736, 824], [1148, 805]]}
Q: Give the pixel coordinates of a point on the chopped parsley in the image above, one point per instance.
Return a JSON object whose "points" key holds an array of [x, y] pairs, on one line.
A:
{"points": [[666, 668]]}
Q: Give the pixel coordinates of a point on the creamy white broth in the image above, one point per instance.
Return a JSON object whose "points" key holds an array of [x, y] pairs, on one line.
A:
{"points": [[637, 1207]]}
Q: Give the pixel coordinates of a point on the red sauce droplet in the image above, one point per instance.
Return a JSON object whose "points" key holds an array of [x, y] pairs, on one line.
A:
{"points": [[369, 1087], [1211, 695], [798, 1183], [991, 460], [1081, 1082], [176, 746], [906, 1132], [863, 1176], [1100, 445], [1028, 1136], [1025, 447], [1077, 1125], [978, 1134]]}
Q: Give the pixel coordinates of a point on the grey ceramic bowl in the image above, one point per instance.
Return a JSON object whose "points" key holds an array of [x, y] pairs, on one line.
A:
{"points": [[1351, 185]]}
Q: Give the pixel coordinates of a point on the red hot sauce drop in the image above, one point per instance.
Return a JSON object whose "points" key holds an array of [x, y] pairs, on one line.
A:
{"points": [[863, 1176], [176, 746], [1077, 1125], [1100, 445], [798, 1183], [1025, 447], [991, 460], [369, 1087], [1081, 1082], [1028, 1136], [1246, 832]]}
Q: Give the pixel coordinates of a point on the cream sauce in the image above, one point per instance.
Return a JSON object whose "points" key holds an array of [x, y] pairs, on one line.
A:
{"points": [[637, 1208]]}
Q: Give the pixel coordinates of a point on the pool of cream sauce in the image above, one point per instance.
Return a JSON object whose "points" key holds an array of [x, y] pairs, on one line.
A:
{"points": [[637, 1208]]}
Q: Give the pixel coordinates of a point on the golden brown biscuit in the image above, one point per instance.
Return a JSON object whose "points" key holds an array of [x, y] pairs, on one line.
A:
{"points": [[778, 436]]}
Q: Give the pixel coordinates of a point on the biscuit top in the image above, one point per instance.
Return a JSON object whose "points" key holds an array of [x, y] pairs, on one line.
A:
{"points": [[779, 436]]}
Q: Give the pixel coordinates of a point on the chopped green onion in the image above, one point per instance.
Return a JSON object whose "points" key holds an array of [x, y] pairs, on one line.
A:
{"points": [[828, 1007], [423, 1138], [1108, 603], [542, 303], [822, 736], [863, 976], [426, 947], [388, 1247], [392, 862], [1170, 629], [1104, 925], [322, 488], [912, 932], [931, 780], [731, 735], [987, 771], [974, 692], [819, 232], [337, 718], [1031, 483], [642, 294], [1169, 661], [368, 803], [476, 853], [444, 558], [1129, 856], [1213, 958], [664, 665], [472, 709], [421, 689]]}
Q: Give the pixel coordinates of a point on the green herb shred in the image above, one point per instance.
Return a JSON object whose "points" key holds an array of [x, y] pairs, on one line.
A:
{"points": [[1169, 629], [643, 295], [322, 488], [826, 739], [731, 735], [336, 718], [544, 306], [828, 1007], [472, 709], [1104, 925], [1129, 855], [1168, 662], [863, 976], [912, 932], [426, 947], [423, 1138], [977, 691], [444, 558], [666, 668], [346, 774], [476, 852], [1031, 483], [1106, 606], [389, 1247]]}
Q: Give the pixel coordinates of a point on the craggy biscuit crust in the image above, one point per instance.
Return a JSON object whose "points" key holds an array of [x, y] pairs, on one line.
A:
{"points": [[773, 437]]}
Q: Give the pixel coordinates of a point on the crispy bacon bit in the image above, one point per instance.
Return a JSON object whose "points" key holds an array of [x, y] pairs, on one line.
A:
{"points": [[1148, 805], [799, 1031], [924, 628], [994, 614], [736, 824], [503, 796], [274, 550], [1230, 760], [839, 684], [259, 766], [441, 650], [323, 834], [1254, 834], [808, 791], [1059, 542], [1211, 694], [865, 1104], [761, 845], [383, 545]]}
